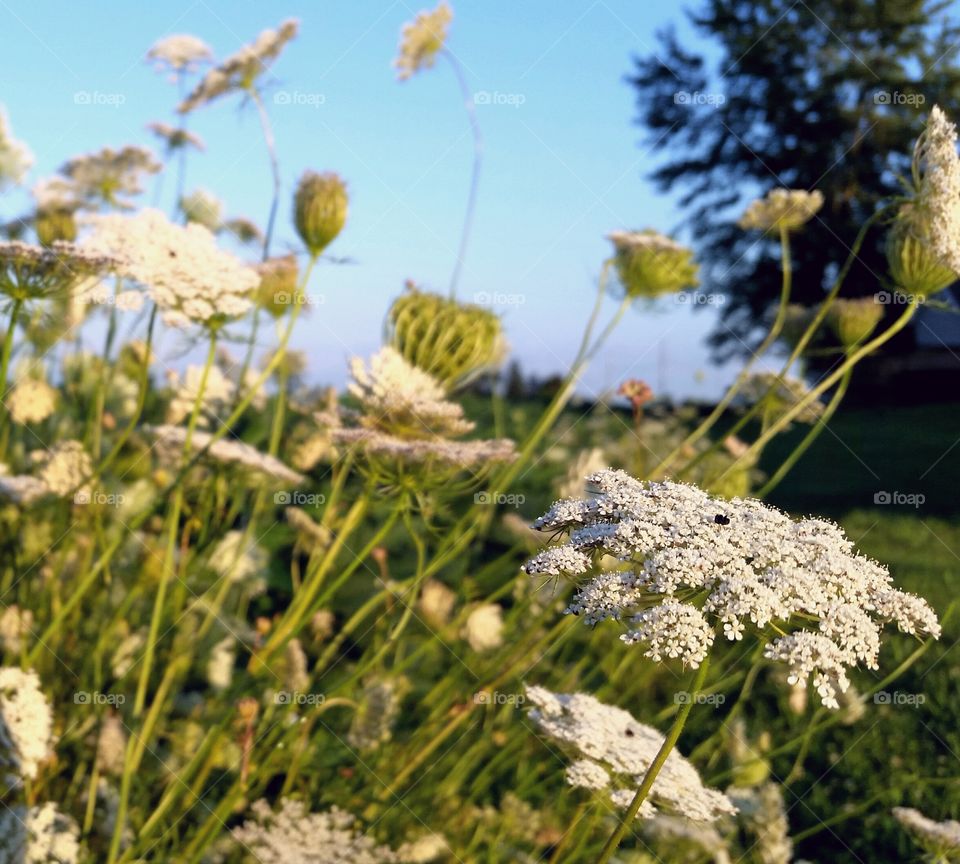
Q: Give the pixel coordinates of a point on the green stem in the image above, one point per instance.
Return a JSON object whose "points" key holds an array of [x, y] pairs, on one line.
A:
{"points": [[809, 438], [5, 357], [648, 779]]}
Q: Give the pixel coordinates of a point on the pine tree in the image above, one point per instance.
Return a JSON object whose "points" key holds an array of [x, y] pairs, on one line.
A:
{"points": [[825, 94]]}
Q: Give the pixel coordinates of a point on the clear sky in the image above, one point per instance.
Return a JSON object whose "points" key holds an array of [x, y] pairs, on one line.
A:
{"points": [[563, 161]]}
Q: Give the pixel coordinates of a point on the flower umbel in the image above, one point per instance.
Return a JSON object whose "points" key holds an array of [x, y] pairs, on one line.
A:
{"points": [[422, 39], [695, 566]]}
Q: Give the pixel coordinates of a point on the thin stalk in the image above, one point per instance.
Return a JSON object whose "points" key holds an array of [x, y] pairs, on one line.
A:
{"points": [[764, 346], [172, 532], [809, 438], [648, 779], [471, 109], [7, 351]]}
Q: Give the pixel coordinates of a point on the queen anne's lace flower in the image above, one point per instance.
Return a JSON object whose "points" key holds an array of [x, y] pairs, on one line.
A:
{"points": [[25, 724], [237, 558], [406, 417], [292, 835], [752, 565], [187, 275], [422, 39], [103, 176], [782, 208], [15, 157], [31, 400], [763, 814], [781, 393], [64, 468], [611, 740], [241, 69], [218, 393], [483, 629], [179, 52], [29, 272], [938, 195], [941, 839], [38, 835], [174, 138], [227, 451]]}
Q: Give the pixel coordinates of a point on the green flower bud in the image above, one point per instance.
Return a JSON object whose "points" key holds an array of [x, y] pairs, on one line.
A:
{"points": [[650, 264], [320, 209], [452, 341], [854, 320], [278, 285], [53, 225], [914, 266]]}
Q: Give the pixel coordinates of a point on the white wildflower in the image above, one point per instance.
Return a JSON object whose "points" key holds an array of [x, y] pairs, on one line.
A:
{"points": [[237, 559], [185, 272], [179, 52], [15, 157], [218, 393], [221, 662], [763, 813], [436, 602], [26, 724], [15, 625], [64, 468], [610, 737], [422, 39], [483, 629], [941, 839], [31, 400], [292, 835], [782, 208], [938, 195], [752, 564], [38, 835]]}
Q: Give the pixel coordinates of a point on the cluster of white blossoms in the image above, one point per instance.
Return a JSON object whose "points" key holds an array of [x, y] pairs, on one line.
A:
{"points": [[400, 397], [616, 752], [174, 138], [38, 835], [422, 39], [483, 628], [26, 725], [29, 271], [236, 558], [406, 416], [179, 52], [218, 394], [15, 157], [939, 838], [291, 835], [782, 209], [937, 168], [31, 400], [696, 565], [188, 276], [240, 70], [763, 814], [103, 175], [227, 451], [64, 468]]}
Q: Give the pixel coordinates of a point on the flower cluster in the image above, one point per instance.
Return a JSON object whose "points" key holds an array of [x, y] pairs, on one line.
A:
{"points": [[612, 742], [937, 169], [406, 417], [25, 724], [650, 264], [226, 451], [174, 138], [779, 394], [38, 835], [696, 565], [102, 176], [241, 69], [31, 400], [293, 834], [782, 209], [422, 39], [15, 158], [29, 272], [941, 839], [179, 52], [187, 275]]}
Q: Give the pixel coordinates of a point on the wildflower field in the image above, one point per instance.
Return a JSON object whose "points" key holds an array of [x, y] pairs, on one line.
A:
{"points": [[245, 617]]}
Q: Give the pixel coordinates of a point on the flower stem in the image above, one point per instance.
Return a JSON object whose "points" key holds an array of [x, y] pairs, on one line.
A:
{"points": [[658, 762]]}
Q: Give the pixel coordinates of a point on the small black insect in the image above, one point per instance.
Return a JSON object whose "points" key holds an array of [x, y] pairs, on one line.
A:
{"points": [[720, 519], [629, 732]]}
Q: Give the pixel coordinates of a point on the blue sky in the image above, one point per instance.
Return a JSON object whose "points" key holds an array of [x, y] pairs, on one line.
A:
{"points": [[563, 161]]}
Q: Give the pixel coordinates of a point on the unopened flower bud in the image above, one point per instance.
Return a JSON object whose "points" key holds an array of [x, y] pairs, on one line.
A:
{"points": [[320, 209]]}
